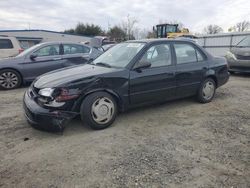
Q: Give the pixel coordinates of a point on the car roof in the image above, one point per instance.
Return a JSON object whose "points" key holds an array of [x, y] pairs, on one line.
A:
{"points": [[160, 40], [62, 42]]}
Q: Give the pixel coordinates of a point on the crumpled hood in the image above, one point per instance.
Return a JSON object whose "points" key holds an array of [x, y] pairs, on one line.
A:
{"points": [[241, 51], [71, 74]]}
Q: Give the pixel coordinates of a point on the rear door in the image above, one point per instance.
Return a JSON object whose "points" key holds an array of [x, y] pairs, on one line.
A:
{"points": [[47, 58], [75, 54], [191, 66], [156, 83]]}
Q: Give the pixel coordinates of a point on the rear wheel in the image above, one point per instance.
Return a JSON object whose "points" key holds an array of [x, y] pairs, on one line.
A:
{"points": [[99, 110], [9, 79], [206, 91]]}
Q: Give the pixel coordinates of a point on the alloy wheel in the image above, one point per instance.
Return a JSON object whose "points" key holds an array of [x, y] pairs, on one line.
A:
{"points": [[8, 80]]}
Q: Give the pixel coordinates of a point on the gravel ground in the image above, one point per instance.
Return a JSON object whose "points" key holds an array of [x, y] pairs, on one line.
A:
{"points": [[176, 144]]}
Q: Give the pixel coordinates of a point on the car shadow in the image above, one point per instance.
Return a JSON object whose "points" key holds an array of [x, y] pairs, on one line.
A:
{"points": [[241, 74]]}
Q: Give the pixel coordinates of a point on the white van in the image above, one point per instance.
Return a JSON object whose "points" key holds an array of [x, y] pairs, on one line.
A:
{"points": [[9, 47]]}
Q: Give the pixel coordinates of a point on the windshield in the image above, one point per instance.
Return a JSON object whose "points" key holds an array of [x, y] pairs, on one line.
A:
{"points": [[244, 43], [27, 51], [120, 55]]}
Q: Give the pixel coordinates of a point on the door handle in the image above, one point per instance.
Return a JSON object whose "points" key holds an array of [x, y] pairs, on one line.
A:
{"points": [[57, 58]]}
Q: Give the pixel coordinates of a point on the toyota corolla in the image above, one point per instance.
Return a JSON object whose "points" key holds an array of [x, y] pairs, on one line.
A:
{"points": [[130, 74]]}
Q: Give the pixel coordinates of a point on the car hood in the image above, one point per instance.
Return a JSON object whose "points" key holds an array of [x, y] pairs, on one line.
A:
{"points": [[241, 51], [69, 75], [10, 60]]}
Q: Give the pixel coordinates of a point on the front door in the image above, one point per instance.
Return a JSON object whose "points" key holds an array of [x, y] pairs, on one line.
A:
{"points": [[157, 82], [47, 58]]}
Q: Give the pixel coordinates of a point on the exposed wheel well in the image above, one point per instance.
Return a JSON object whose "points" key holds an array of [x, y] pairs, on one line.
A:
{"points": [[16, 71], [214, 78], [117, 99]]}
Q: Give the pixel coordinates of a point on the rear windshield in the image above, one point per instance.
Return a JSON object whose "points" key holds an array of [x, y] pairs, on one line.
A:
{"points": [[5, 44]]}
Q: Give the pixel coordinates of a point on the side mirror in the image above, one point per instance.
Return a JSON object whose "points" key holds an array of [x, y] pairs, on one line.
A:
{"points": [[142, 65], [33, 56]]}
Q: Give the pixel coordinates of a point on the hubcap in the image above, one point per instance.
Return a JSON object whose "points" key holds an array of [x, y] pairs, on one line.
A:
{"points": [[208, 90], [8, 80], [102, 110]]}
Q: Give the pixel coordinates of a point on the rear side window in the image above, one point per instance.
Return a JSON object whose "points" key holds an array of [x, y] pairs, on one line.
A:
{"points": [[48, 51], [186, 53], [75, 49], [5, 44]]}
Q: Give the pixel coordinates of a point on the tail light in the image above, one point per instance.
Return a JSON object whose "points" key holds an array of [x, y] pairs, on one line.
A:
{"points": [[65, 95], [20, 50]]}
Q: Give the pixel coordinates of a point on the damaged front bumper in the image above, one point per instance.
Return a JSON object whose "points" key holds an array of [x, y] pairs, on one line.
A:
{"points": [[43, 118]]}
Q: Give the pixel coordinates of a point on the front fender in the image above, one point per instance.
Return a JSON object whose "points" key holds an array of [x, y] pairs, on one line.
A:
{"points": [[119, 100]]}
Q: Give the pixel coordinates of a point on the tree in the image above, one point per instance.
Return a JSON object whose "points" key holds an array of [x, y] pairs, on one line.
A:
{"points": [[213, 29], [242, 26], [70, 31], [86, 29], [128, 26], [116, 33], [151, 34]]}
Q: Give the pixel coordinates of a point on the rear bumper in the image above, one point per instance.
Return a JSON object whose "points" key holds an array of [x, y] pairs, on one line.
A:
{"points": [[223, 79], [45, 119]]}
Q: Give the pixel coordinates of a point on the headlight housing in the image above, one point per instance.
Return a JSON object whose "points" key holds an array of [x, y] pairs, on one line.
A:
{"points": [[56, 97], [46, 92], [231, 55]]}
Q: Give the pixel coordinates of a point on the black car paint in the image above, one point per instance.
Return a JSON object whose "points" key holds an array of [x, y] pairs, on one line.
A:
{"points": [[131, 88]]}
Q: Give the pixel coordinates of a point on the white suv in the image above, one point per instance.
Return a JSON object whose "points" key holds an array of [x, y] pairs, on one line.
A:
{"points": [[9, 47]]}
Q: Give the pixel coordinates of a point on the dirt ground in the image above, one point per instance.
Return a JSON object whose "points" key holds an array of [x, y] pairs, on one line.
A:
{"points": [[176, 144]]}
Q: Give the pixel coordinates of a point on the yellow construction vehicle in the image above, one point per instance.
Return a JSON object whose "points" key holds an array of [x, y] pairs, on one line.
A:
{"points": [[171, 31]]}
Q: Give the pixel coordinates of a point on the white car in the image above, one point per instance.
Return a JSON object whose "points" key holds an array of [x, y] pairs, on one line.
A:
{"points": [[9, 47]]}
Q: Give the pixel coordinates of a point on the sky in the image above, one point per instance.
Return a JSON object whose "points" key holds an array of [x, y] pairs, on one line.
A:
{"points": [[58, 15]]}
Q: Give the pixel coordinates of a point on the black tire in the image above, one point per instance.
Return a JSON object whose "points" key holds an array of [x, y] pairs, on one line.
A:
{"points": [[17, 81], [87, 114], [201, 97]]}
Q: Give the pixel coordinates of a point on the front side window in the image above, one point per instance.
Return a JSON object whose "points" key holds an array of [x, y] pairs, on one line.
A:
{"points": [[158, 55], [75, 49], [186, 53], [120, 55], [5, 44], [48, 51]]}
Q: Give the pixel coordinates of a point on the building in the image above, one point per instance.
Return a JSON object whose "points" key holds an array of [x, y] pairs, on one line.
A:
{"points": [[28, 38], [220, 44]]}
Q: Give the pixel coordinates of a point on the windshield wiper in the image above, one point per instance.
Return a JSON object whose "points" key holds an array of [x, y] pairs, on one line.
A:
{"points": [[103, 64]]}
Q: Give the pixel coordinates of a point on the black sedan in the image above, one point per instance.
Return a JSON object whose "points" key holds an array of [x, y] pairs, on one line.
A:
{"points": [[42, 58], [128, 75]]}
